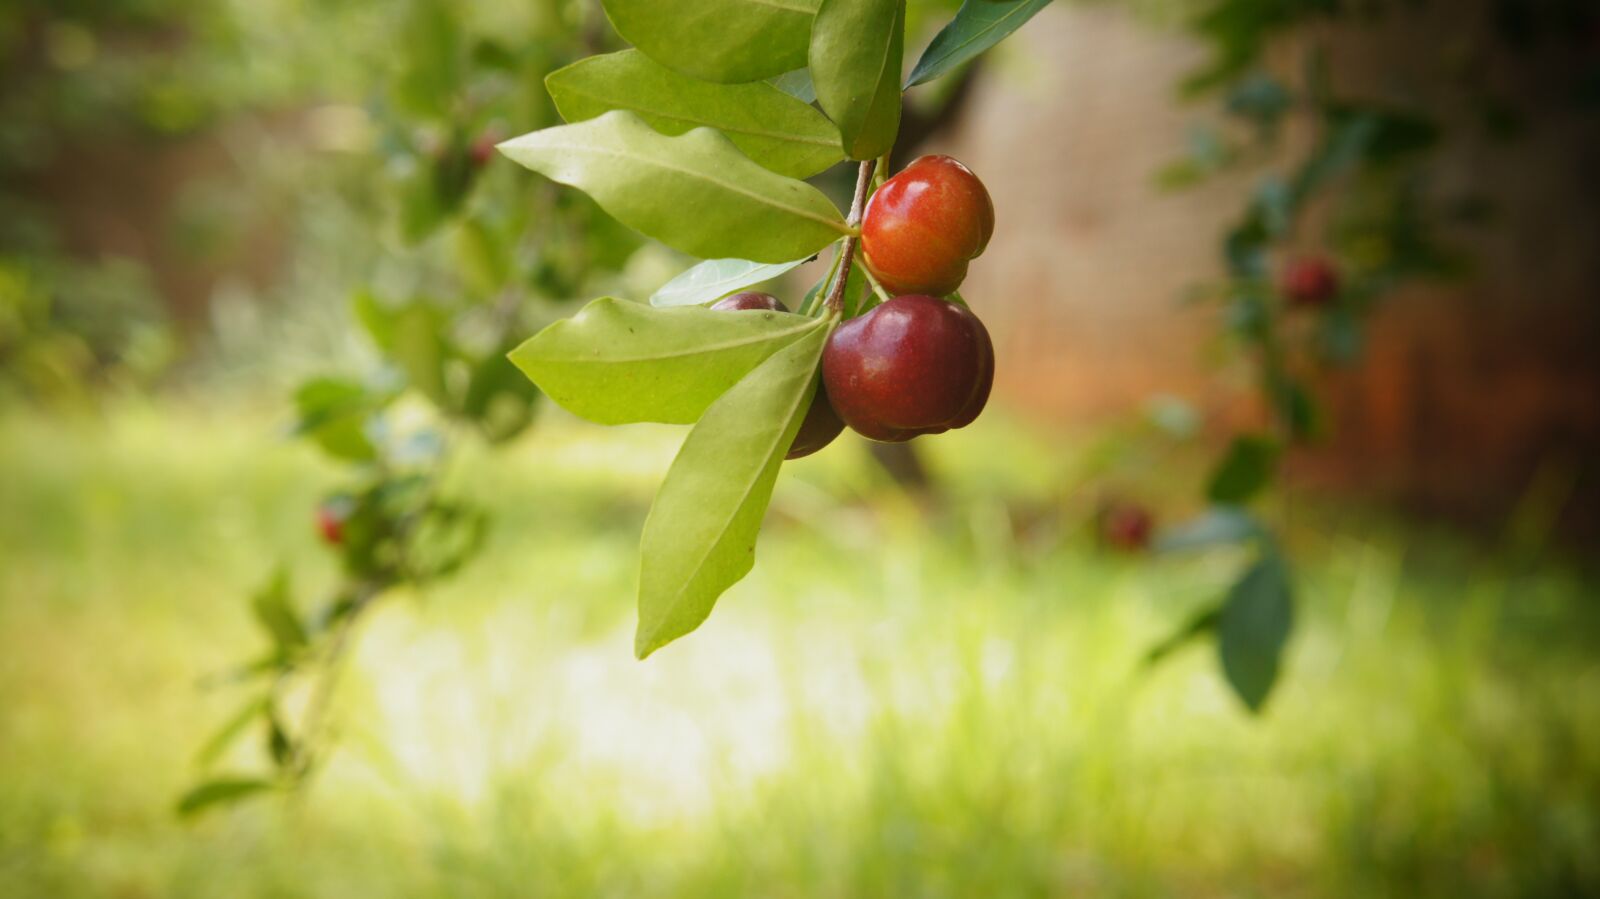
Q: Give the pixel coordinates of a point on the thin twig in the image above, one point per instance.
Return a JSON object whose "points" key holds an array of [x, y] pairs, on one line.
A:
{"points": [[315, 723], [820, 295], [848, 252]]}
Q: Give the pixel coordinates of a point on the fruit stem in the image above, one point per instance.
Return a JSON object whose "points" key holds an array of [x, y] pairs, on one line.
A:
{"points": [[814, 300], [883, 295], [848, 253]]}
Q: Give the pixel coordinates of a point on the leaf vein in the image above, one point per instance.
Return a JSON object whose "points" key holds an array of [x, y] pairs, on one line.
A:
{"points": [[977, 35], [700, 350], [775, 4], [676, 117], [836, 225], [678, 595]]}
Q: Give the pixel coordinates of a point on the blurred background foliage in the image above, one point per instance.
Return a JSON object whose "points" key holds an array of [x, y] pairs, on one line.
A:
{"points": [[228, 219]]}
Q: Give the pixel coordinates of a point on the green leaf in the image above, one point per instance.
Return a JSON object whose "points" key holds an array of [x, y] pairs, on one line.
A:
{"points": [[333, 412], [421, 212], [1201, 624], [856, 51], [434, 188], [1256, 619], [1296, 407], [796, 84], [277, 615], [1261, 99], [420, 349], [267, 664], [726, 41], [700, 537], [447, 537], [696, 193], [782, 133], [228, 732], [279, 746], [813, 296], [978, 25], [483, 256], [1345, 142], [858, 296], [431, 59], [375, 317], [1179, 174], [499, 400], [716, 278], [1246, 469], [618, 362], [221, 791]]}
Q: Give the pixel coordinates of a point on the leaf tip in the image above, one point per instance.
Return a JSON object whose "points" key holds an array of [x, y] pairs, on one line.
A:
{"points": [[645, 644]]}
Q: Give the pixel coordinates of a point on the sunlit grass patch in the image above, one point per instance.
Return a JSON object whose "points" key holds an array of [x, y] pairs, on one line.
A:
{"points": [[898, 701]]}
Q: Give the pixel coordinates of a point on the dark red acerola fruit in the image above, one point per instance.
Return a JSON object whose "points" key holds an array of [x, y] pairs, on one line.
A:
{"points": [[330, 524], [1126, 526], [1309, 282], [482, 150], [821, 424], [750, 300], [923, 226], [915, 365]]}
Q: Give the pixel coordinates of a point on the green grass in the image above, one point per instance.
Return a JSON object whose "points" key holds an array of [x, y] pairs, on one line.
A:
{"points": [[896, 702]]}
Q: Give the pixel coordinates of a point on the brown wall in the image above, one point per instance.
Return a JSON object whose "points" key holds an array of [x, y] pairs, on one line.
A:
{"points": [[1465, 392], [1081, 281]]}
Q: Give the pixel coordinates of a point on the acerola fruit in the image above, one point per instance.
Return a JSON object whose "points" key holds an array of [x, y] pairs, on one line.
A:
{"points": [[914, 365], [1309, 282], [482, 149], [924, 225], [750, 300], [330, 524], [821, 424], [1126, 526]]}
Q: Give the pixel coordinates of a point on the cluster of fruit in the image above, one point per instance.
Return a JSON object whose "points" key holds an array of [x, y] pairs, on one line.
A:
{"points": [[918, 363]]}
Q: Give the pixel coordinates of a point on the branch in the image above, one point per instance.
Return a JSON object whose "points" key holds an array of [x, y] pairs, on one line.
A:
{"points": [[314, 725], [848, 252]]}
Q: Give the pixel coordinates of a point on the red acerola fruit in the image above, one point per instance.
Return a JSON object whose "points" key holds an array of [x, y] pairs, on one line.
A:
{"points": [[750, 300], [1309, 282], [330, 524], [924, 225], [821, 423], [482, 150], [914, 365], [1126, 526]]}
